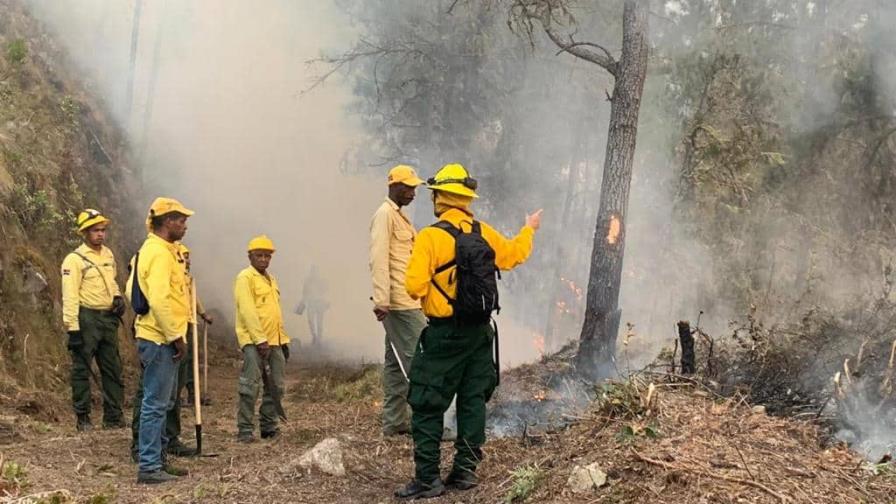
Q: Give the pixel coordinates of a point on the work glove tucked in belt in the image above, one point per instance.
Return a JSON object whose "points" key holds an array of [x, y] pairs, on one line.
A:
{"points": [[75, 341], [118, 306]]}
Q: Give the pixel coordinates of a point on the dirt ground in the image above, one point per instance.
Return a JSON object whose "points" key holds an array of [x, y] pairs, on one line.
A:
{"points": [[685, 446]]}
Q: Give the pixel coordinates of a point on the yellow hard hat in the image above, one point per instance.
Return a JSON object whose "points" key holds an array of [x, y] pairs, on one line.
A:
{"points": [[404, 174], [90, 217], [261, 242], [453, 178]]}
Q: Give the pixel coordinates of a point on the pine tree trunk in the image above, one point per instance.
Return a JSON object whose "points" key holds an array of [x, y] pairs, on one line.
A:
{"points": [[597, 347]]}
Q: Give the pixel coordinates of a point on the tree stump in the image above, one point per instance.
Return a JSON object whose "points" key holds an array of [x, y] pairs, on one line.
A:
{"points": [[688, 358]]}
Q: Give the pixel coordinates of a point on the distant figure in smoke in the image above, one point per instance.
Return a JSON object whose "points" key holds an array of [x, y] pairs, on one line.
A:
{"points": [[314, 302]]}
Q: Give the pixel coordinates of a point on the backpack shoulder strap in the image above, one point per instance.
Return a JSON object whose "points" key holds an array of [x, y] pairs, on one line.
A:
{"points": [[447, 227], [454, 232], [98, 270], [475, 227], [85, 258]]}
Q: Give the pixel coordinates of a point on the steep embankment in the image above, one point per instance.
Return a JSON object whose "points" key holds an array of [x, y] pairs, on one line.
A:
{"points": [[60, 152]]}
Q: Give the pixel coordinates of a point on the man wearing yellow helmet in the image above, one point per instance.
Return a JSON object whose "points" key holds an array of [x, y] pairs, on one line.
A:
{"points": [[92, 306], [263, 341], [453, 258], [158, 280]]}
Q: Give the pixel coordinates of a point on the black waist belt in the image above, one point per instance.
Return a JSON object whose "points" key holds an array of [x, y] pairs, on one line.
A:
{"points": [[442, 321], [98, 312]]}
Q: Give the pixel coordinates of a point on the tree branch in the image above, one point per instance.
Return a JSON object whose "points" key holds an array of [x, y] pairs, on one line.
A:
{"points": [[578, 50]]}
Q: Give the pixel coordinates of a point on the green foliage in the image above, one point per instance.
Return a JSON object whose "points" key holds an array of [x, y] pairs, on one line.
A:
{"points": [[15, 473], [365, 386], [71, 109], [16, 51], [632, 431], [524, 481], [34, 210], [14, 158], [884, 470], [619, 400]]}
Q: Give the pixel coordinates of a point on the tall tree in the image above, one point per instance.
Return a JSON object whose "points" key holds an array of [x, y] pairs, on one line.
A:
{"points": [[598, 337]]}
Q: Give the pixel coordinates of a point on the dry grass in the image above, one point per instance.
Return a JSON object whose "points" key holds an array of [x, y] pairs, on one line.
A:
{"points": [[703, 449]]}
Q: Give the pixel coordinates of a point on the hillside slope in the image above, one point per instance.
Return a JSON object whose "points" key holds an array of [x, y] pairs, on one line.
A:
{"points": [[60, 152]]}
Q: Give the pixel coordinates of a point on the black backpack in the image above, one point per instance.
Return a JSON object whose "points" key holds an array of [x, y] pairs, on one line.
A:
{"points": [[476, 275], [138, 300]]}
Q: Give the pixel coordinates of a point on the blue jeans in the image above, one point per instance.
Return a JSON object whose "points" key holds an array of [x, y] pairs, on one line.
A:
{"points": [[159, 378]]}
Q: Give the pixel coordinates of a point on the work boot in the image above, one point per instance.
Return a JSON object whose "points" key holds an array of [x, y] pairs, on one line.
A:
{"points": [[178, 449], [418, 490], [401, 430], [271, 434], [84, 424], [460, 479], [245, 437], [154, 477], [115, 424]]}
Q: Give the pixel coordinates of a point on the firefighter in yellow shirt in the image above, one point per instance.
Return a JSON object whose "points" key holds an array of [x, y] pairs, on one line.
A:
{"points": [[452, 271], [263, 341], [91, 310], [158, 292]]}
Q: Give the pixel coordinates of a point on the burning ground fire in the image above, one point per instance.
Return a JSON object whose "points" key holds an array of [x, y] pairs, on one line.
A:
{"points": [[538, 344]]}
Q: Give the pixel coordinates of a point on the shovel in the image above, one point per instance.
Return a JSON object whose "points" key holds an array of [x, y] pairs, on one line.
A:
{"points": [[197, 399]]}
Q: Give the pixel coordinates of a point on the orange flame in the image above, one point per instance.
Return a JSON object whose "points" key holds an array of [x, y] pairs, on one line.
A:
{"points": [[538, 343], [615, 229]]}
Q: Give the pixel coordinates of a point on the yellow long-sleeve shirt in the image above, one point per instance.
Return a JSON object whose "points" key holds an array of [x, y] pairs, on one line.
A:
{"points": [[391, 241], [434, 248], [162, 276], [258, 315], [87, 282]]}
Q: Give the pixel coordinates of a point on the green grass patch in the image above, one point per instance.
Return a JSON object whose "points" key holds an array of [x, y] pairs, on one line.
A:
{"points": [[525, 480], [16, 51]]}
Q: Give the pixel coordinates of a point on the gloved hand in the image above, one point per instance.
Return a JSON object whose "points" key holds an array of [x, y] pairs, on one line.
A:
{"points": [[75, 341], [118, 306], [285, 349], [207, 318], [263, 349]]}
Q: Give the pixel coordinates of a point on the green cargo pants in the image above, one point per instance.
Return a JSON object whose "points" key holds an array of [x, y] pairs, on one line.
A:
{"points": [[172, 420], [251, 385], [403, 328], [450, 360], [100, 332]]}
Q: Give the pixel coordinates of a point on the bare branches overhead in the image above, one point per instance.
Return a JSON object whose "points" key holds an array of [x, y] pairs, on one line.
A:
{"points": [[555, 17]]}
